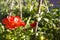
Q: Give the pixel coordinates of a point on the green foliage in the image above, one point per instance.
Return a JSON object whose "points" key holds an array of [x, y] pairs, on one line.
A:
{"points": [[49, 22]]}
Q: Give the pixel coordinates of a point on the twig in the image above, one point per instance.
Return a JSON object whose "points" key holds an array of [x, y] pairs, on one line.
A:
{"points": [[46, 5], [11, 7], [39, 7], [38, 12], [20, 7]]}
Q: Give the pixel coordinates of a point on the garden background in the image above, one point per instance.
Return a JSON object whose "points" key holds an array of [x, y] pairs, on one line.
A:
{"points": [[40, 19]]}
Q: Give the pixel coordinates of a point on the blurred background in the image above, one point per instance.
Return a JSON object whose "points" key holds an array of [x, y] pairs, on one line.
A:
{"points": [[46, 12]]}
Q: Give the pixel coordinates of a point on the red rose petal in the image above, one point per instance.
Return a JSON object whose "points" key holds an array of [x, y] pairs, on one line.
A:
{"points": [[10, 27], [33, 24], [10, 18], [22, 24], [5, 21]]}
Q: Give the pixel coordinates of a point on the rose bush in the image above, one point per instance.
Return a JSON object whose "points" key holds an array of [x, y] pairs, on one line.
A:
{"points": [[14, 27]]}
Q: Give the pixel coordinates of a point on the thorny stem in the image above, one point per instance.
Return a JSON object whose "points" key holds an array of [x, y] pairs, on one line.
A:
{"points": [[11, 7], [38, 12], [20, 7], [39, 6], [46, 5]]}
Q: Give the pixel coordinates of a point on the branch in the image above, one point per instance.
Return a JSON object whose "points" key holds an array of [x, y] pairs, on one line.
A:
{"points": [[38, 12], [20, 7], [46, 4], [11, 7]]}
